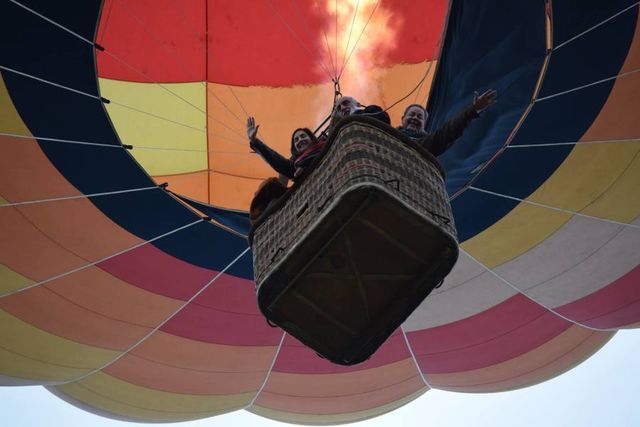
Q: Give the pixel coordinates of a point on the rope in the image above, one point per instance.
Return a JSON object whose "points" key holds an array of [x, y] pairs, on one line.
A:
{"points": [[358, 39], [84, 267], [161, 324], [414, 89], [79, 92], [587, 85], [157, 116], [519, 291], [237, 100], [193, 150], [266, 378], [559, 144], [119, 60], [336, 36], [80, 196], [596, 26], [177, 62], [304, 27], [106, 21], [66, 141], [190, 25], [346, 48], [53, 22], [334, 66], [295, 35], [413, 356], [138, 147], [223, 124], [542, 205]]}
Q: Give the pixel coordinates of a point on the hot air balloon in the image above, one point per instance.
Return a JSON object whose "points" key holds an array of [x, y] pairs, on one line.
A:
{"points": [[135, 300]]}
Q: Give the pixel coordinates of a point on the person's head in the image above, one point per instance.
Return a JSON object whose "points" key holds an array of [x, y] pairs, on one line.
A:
{"points": [[301, 139], [345, 106], [414, 117]]}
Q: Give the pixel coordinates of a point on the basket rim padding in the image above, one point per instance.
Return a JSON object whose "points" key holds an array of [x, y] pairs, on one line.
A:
{"points": [[345, 122]]}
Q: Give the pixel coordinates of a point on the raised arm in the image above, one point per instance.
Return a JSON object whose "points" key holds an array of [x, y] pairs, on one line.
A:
{"points": [[278, 162], [440, 141]]}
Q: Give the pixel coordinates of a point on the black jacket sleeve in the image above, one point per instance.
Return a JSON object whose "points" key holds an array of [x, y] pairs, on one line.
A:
{"points": [[375, 112], [279, 163], [440, 141]]}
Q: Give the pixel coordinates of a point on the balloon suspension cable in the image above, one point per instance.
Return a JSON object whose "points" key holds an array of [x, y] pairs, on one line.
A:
{"points": [[336, 94]]}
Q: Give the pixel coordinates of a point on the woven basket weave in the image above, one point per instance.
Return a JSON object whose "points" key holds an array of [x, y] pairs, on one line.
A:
{"points": [[346, 255], [360, 153]]}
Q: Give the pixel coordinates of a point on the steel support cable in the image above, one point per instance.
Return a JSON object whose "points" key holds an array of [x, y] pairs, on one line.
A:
{"points": [[175, 60], [79, 196], [41, 80], [555, 208], [190, 25], [269, 371], [106, 21], [157, 116], [304, 27], [346, 48], [51, 21], [138, 147], [66, 141], [355, 45], [578, 143], [91, 264], [596, 26], [334, 66], [521, 292], [533, 101], [415, 360], [336, 37], [416, 88], [575, 89], [124, 63], [99, 98], [162, 323], [295, 35], [204, 112]]}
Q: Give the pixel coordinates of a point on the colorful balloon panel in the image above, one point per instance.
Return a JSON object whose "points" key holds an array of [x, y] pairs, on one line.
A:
{"points": [[123, 301]]}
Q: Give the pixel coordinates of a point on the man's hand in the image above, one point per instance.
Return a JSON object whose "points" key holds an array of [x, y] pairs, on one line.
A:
{"points": [[252, 129], [481, 102]]}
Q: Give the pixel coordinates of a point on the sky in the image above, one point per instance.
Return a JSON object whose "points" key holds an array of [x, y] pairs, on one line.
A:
{"points": [[602, 391]]}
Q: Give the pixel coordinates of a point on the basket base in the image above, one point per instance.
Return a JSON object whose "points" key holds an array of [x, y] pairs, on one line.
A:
{"points": [[357, 275]]}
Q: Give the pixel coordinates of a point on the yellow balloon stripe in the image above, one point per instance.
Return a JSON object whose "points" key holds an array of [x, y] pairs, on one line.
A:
{"points": [[107, 393], [30, 353], [11, 281], [327, 419], [546, 361], [621, 201], [10, 121], [165, 123], [595, 179]]}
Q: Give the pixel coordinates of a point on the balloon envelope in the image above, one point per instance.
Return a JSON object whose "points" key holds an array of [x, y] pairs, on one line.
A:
{"points": [[121, 300]]}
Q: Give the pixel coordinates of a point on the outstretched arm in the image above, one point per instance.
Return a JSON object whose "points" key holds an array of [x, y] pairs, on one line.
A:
{"points": [[278, 162], [482, 102], [440, 141]]}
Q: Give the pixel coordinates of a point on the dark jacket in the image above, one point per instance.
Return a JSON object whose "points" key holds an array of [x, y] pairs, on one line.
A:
{"points": [[278, 162], [375, 112], [291, 168], [441, 140]]}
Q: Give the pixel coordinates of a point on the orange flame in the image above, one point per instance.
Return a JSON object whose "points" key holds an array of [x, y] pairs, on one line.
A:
{"points": [[362, 37]]}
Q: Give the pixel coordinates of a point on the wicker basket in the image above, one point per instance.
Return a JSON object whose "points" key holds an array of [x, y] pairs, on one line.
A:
{"points": [[347, 254]]}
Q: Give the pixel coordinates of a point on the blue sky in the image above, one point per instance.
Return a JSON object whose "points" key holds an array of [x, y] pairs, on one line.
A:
{"points": [[602, 391]]}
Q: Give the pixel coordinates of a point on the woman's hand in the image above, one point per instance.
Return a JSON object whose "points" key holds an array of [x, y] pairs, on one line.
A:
{"points": [[252, 129], [481, 102]]}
